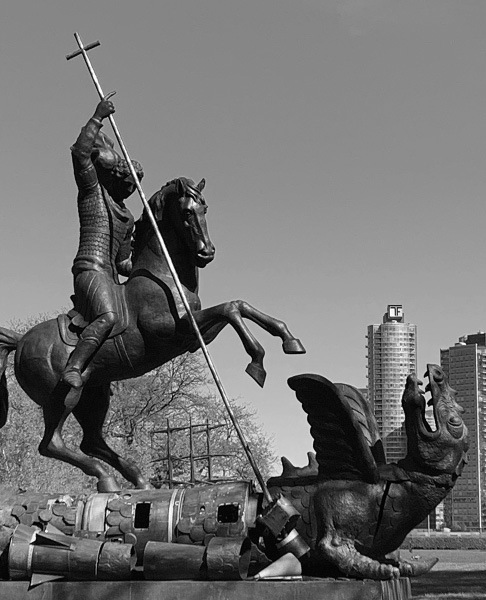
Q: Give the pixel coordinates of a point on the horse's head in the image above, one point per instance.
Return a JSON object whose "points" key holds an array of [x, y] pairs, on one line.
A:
{"points": [[188, 214], [180, 211]]}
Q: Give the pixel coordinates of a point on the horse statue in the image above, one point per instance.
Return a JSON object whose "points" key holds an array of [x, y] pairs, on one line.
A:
{"points": [[155, 329]]}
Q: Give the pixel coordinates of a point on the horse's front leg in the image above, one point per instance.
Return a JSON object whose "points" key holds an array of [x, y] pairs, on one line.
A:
{"points": [[213, 320], [290, 344]]}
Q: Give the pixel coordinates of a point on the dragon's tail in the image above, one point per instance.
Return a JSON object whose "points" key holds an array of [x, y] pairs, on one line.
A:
{"points": [[8, 342]]}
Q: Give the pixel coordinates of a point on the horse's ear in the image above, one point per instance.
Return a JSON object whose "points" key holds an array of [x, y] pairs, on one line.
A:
{"points": [[180, 188], [200, 186]]}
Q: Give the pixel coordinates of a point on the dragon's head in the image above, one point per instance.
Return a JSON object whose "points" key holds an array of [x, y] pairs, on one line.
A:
{"points": [[440, 448]]}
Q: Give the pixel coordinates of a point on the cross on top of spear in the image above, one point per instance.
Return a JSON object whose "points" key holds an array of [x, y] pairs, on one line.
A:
{"points": [[82, 48]]}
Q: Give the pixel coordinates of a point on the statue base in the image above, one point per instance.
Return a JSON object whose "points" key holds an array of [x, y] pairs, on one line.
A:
{"points": [[330, 589]]}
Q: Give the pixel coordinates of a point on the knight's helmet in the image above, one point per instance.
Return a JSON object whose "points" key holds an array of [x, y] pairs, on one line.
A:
{"points": [[105, 156]]}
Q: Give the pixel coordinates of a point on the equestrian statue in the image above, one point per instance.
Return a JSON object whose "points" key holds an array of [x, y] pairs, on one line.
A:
{"points": [[345, 514], [122, 330]]}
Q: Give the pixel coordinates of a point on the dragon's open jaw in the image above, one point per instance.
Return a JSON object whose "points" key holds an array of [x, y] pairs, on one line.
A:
{"points": [[414, 398]]}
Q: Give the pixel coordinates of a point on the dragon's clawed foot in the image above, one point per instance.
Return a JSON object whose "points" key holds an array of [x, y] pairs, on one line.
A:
{"points": [[367, 568], [385, 571], [342, 553], [416, 569]]}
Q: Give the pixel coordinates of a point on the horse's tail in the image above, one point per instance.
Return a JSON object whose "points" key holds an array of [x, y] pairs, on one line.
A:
{"points": [[8, 342]]}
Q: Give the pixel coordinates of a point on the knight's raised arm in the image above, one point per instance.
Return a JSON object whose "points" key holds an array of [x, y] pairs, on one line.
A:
{"points": [[82, 149]]}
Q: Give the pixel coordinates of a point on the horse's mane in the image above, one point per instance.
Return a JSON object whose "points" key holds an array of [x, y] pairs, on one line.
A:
{"points": [[157, 203]]}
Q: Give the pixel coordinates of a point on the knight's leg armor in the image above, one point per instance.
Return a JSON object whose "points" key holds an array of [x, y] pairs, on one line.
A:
{"points": [[90, 340]]}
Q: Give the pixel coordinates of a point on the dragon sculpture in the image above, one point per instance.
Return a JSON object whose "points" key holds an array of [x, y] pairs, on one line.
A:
{"points": [[349, 508], [356, 509]]}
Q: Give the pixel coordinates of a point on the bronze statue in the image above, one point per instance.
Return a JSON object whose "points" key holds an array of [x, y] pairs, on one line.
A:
{"points": [[147, 323], [106, 226], [357, 509], [352, 508], [343, 515]]}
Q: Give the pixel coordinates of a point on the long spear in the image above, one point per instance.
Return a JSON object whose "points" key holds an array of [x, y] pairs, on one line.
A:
{"points": [[83, 50]]}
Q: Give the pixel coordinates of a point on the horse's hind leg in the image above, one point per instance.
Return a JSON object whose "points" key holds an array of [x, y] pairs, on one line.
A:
{"points": [[90, 414], [52, 444]]}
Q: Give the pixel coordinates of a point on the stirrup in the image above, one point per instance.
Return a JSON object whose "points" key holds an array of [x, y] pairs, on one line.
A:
{"points": [[72, 376]]}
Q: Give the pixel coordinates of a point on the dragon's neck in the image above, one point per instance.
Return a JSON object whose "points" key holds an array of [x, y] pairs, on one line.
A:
{"points": [[428, 490], [426, 473], [443, 482]]}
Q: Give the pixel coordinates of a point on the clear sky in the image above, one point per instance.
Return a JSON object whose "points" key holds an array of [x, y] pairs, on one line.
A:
{"points": [[343, 143]]}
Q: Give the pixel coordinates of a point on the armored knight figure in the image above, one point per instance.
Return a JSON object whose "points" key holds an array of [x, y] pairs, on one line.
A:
{"points": [[104, 181]]}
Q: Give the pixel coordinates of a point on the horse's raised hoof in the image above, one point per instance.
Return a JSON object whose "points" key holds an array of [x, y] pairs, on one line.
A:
{"points": [[108, 484], [257, 372], [293, 346]]}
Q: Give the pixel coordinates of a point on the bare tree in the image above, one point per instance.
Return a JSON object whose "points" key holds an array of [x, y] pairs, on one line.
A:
{"points": [[180, 392]]}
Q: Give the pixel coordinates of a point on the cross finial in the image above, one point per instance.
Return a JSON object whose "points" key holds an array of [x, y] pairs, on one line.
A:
{"points": [[82, 49]]}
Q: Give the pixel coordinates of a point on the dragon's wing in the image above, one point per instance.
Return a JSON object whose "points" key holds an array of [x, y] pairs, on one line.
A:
{"points": [[344, 429]]}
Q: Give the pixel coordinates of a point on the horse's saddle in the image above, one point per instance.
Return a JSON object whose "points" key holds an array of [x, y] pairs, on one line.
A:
{"points": [[72, 324]]}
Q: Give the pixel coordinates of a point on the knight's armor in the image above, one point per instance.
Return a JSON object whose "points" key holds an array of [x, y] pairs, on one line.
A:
{"points": [[105, 226], [104, 248]]}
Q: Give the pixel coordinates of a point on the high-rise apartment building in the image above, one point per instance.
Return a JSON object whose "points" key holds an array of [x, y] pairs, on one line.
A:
{"points": [[392, 356], [465, 366]]}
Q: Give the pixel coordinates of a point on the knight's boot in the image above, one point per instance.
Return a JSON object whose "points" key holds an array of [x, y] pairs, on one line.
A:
{"points": [[72, 374], [90, 340]]}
